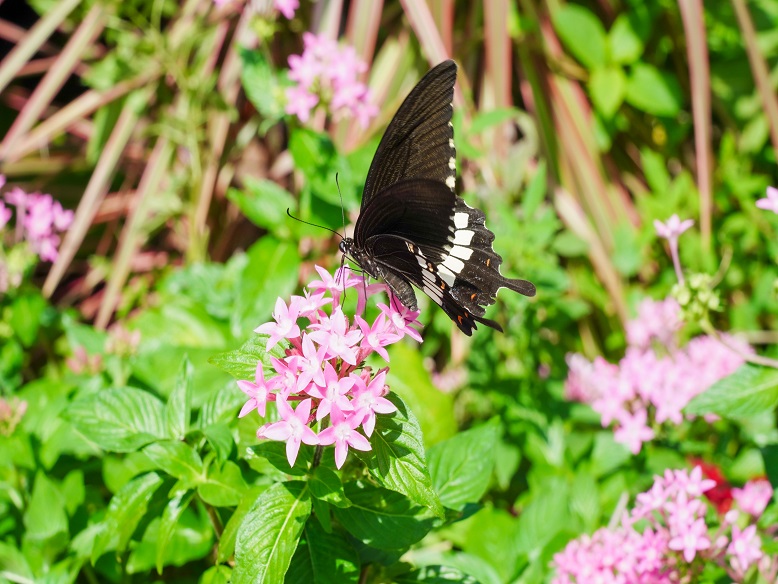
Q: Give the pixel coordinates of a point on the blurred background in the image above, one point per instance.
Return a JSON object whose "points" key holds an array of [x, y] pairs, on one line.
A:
{"points": [[178, 134]]}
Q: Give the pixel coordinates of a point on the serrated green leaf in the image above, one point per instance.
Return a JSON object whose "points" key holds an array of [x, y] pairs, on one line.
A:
{"points": [[325, 485], [230, 533], [275, 453], [178, 409], [397, 459], [382, 518], [270, 532], [223, 487], [173, 510], [582, 33], [608, 86], [653, 91], [177, 459], [323, 558], [748, 391], [119, 419], [461, 467], [125, 511], [242, 363]]}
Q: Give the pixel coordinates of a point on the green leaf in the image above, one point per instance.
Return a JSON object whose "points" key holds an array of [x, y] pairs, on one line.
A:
{"points": [[382, 518], [582, 33], [625, 43], [323, 558], [125, 511], [230, 533], [493, 533], [487, 119], [653, 91], [435, 575], [25, 317], [271, 272], [223, 487], [178, 409], [270, 532], [264, 203], [216, 575], [748, 391], [242, 363], [461, 467], [325, 485], [219, 436], [13, 561], [173, 510], [275, 453], [262, 86], [120, 419], [45, 516], [177, 459], [397, 459], [608, 86]]}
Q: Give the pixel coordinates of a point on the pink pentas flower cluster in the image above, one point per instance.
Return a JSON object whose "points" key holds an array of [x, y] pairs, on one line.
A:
{"points": [[656, 379], [668, 537], [328, 74], [754, 497], [39, 220], [323, 392]]}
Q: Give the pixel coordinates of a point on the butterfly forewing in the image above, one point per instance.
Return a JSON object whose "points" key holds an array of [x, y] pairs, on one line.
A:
{"points": [[419, 140]]}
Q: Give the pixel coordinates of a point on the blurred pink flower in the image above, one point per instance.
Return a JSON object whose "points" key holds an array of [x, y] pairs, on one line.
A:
{"points": [[328, 74], [673, 539], [287, 7], [660, 379], [672, 230], [5, 215], [39, 220], [770, 202], [754, 496]]}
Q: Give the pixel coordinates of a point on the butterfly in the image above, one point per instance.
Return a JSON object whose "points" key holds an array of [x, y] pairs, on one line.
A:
{"points": [[412, 228]]}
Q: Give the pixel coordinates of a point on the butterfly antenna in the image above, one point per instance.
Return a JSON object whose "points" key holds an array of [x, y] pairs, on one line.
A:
{"points": [[342, 208], [313, 224]]}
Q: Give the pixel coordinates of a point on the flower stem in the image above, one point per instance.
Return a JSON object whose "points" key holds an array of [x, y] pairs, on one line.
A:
{"points": [[749, 358]]}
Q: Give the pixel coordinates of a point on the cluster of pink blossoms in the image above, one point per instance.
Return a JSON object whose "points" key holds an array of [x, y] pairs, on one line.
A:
{"points": [[322, 372], [666, 539], [655, 380], [39, 220], [328, 73]]}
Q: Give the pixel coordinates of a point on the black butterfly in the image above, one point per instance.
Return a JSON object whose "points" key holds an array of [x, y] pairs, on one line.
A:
{"points": [[413, 228]]}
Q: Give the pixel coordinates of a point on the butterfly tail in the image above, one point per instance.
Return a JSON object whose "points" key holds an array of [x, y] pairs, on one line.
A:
{"points": [[521, 286]]}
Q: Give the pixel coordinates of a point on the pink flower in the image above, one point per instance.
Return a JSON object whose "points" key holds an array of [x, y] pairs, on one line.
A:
{"points": [[287, 7], [673, 228], [293, 428], [402, 320], [754, 496], [328, 74], [656, 321], [378, 336], [310, 304], [310, 364], [671, 231], [257, 392], [300, 103], [770, 202], [692, 540], [745, 549], [285, 325], [332, 392], [343, 434], [633, 430], [369, 400], [5, 215], [334, 334]]}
